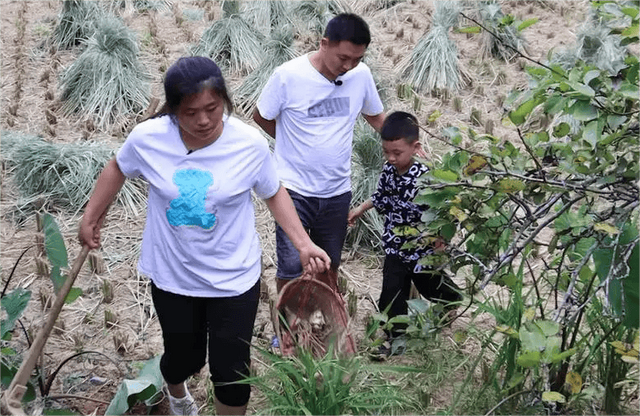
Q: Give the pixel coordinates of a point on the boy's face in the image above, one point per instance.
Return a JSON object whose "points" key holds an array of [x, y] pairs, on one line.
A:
{"points": [[399, 153]]}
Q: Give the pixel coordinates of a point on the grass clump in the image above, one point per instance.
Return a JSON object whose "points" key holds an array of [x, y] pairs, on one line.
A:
{"points": [[77, 22], [232, 43], [61, 174], [279, 49], [304, 384], [107, 82], [366, 167], [433, 63], [311, 16]]}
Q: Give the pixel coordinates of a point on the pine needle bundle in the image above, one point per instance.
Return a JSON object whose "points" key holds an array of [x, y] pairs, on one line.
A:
{"points": [[313, 15], [266, 15], [107, 82], [77, 22], [232, 43], [366, 166], [433, 63], [507, 37], [279, 49], [62, 174]]}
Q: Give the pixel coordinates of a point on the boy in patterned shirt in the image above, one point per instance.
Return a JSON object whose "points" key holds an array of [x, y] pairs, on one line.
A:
{"points": [[394, 200]]}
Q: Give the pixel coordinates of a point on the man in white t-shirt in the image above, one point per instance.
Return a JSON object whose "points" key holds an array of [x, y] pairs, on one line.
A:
{"points": [[310, 105]]}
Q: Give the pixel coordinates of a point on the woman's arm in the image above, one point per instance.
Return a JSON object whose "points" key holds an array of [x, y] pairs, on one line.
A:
{"points": [[313, 258], [107, 186]]}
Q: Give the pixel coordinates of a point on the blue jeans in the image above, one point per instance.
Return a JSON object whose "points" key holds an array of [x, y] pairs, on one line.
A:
{"points": [[326, 221]]}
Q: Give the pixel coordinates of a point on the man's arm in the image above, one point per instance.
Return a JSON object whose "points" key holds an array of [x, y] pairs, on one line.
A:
{"points": [[269, 126], [375, 121]]}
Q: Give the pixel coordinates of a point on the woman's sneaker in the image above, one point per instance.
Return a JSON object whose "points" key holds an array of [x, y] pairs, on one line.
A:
{"points": [[183, 406]]}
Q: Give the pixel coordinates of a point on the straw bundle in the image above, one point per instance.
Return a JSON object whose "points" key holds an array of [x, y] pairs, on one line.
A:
{"points": [[433, 63], [62, 174], [107, 82], [313, 15], [266, 15], [278, 51], [232, 43], [507, 37], [77, 22]]}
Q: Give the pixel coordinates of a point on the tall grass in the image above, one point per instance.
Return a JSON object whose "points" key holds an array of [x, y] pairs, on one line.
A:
{"points": [[232, 43], [433, 63], [307, 385], [107, 82], [279, 49], [77, 22], [365, 169], [62, 175]]}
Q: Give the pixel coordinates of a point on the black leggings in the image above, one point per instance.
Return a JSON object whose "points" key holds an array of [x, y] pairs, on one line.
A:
{"points": [[228, 322]]}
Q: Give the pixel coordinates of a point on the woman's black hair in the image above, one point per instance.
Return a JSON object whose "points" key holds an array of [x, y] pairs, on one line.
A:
{"points": [[191, 75], [350, 27], [400, 125]]}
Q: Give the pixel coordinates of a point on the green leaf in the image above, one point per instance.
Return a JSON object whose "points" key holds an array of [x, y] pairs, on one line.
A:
{"points": [[445, 175], [561, 130], [14, 303], [629, 91], [631, 290], [631, 31], [592, 132], [53, 242], [616, 121], [448, 231], [527, 23], [509, 185], [56, 278], [143, 388], [420, 306], [73, 294], [519, 115], [583, 110], [590, 76], [553, 396], [529, 359], [469, 29], [554, 104], [532, 339], [548, 328], [583, 89]]}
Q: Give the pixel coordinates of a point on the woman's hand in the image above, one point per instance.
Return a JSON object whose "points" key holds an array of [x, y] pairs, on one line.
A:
{"points": [[313, 258]]}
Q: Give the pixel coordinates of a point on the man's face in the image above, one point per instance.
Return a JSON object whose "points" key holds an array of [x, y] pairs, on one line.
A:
{"points": [[341, 57]]}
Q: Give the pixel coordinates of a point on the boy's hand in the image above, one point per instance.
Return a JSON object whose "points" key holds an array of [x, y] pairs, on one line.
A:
{"points": [[354, 214], [439, 245]]}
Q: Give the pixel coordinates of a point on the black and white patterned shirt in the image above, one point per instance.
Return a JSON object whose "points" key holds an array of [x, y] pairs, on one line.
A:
{"points": [[394, 200]]}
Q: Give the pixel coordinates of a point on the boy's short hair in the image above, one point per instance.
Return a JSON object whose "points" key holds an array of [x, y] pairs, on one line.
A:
{"points": [[350, 27], [400, 125]]}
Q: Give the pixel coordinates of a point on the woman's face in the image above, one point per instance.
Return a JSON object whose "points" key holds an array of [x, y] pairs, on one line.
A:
{"points": [[200, 118]]}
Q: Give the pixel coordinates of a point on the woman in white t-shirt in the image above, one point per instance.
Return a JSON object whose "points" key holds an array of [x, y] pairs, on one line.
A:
{"points": [[200, 247]]}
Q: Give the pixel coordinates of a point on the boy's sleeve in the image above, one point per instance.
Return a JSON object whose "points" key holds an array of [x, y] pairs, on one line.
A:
{"points": [[379, 198], [272, 96]]}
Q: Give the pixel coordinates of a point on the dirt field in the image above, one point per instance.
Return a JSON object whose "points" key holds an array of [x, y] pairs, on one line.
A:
{"points": [[29, 90]]}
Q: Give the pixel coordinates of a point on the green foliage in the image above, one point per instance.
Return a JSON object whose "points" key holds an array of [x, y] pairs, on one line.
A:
{"points": [[14, 304], [107, 82], [61, 174], [232, 43], [506, 31], [557, 206], [144, 388], [303, 384]]}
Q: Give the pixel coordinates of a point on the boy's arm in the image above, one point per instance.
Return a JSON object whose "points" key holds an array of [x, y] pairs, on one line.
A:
{"points": [[269, 126], [358, 211]]}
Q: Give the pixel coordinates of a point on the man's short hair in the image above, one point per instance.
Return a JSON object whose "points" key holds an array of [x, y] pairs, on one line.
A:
{"points": [[350, 27], [400, 125]]}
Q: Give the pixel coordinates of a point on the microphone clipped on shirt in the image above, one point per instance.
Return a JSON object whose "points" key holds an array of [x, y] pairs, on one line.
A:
{"points": [[337, 83]]}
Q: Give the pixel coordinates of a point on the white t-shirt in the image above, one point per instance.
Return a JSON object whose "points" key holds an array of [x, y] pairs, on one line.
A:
{"points": [[200, 237], [314, 124]]}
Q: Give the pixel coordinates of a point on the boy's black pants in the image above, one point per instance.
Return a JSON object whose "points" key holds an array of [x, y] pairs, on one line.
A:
{"points": [[396, 283]]}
